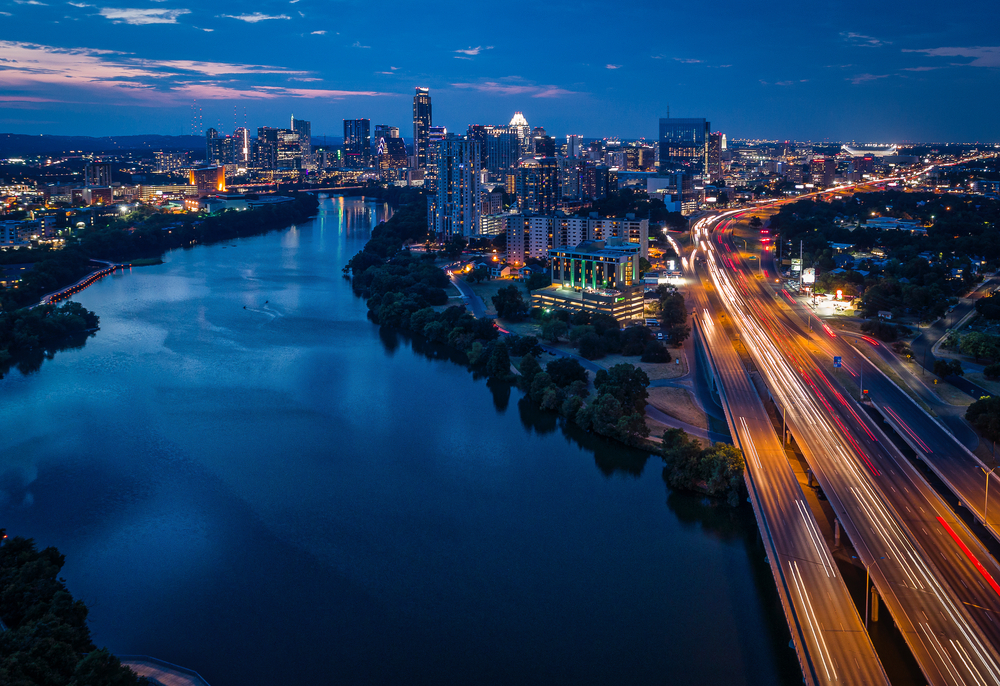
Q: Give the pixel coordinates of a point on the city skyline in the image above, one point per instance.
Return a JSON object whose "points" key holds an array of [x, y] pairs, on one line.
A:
{"points": [[853, 72]]}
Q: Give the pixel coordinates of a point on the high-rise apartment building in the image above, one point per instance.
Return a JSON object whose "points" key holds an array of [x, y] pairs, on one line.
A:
{"points": [[264, 151], [435, 134], [574, 146], [714, 169], [502, 151], [303, 130], [213, 147], [457, 202], [539, 190], [422, 121], [97, 174], [357, 142], [684, 144]]}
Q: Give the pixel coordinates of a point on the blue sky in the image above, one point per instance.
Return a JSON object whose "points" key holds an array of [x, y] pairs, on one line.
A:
{"points": [[868, 71]]}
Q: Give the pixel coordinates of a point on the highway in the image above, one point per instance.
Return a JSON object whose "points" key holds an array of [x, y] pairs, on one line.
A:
{"points": [[829, 636], [932, 573]]}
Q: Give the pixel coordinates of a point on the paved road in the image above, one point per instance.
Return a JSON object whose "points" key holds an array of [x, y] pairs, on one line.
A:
{"points": [[828, 633], [473, 301], [929, 569], [924, 343]]}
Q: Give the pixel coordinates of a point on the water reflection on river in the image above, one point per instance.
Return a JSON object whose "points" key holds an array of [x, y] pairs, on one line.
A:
{"points": [[250, 479]]}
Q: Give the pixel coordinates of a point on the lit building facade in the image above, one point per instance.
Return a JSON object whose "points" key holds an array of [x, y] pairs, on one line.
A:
{"points": [[357, 142], [538, 188], [456, 208], [422, 122], [208, 180], [684, 144], [534, 235], [594, 276], [303, 131]]}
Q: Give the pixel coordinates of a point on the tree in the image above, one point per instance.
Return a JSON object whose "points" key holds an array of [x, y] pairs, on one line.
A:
{"points": [[478, 274], [554, 329], [756, 223], [945, 368], [627, 383], [537, 280], [499, 363], [529, 367], [992, 371], [566, 370], [644, 266], [455, 246], [632, 428], [655, 352], [591, 346], [678, 333], [984, 414], [523, 345], [606, 411], [510, 304], [672, 308]]}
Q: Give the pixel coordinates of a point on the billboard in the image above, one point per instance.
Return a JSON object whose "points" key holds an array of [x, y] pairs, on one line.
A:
{"points": [[809, 275], [796, 264]]}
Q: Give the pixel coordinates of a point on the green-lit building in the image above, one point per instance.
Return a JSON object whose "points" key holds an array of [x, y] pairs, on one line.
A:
{"points": [[595, 276]]}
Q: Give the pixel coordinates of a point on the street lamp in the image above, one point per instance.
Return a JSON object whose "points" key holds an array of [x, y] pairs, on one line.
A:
{"points": [[986, 502], [868, 577]]}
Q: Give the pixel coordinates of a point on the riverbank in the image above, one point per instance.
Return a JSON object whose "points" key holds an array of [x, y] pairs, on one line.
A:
{"points": [[347, 488], [406, 291]]}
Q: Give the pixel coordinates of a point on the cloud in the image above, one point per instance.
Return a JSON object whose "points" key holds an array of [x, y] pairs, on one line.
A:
{"points": [[687, 60], [38, 73], [864, 78], [921, 68], [318, 33], [612, 66], [139, 17], [474, 51], [518, 87], [790, 83], [357, 44], [79, 4], [31, 2], [255, 17], [6, 14], [981, 56], [861, 40]]}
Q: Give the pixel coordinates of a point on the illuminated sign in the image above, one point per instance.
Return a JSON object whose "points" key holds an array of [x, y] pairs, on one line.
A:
{"points": [[796, 264], [809, 275]]}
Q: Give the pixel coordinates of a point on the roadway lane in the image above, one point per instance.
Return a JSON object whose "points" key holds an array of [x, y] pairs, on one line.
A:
{"points": [[950, 645], [828, 633]]}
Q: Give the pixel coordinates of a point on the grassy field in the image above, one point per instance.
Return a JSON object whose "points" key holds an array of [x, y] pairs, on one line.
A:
{"points": [[677, 402]]}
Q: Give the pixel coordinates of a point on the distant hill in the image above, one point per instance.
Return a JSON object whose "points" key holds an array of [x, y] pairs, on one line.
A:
{"points": [[13, 144]]}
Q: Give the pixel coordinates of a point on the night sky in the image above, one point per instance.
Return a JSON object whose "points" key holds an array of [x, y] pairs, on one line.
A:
{"points": [[866, 71]]}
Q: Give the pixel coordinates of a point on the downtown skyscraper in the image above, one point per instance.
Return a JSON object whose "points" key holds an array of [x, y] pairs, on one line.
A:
{"points": [[422, 121]]}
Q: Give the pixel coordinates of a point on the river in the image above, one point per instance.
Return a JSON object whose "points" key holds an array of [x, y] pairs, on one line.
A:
{"points": [[250, 479]]}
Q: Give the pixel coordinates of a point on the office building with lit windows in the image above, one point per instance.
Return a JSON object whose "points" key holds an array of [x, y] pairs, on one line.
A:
{"points": [[594, 276], [684, 144], [422, 122], [357, 142], [303, 131]]}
